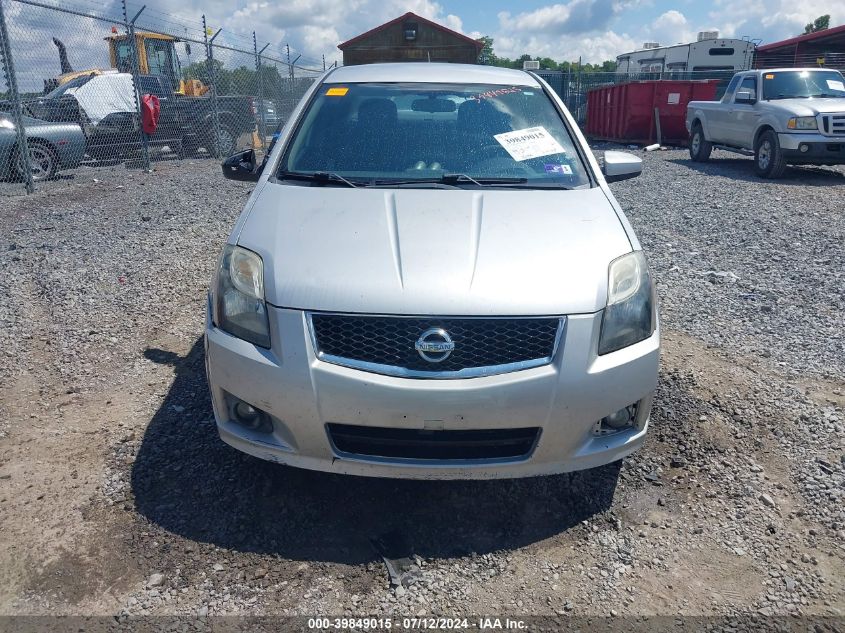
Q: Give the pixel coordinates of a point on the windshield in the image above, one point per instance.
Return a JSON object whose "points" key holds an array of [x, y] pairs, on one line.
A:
{"points": [[382, 133], [73, 83], [803, 84]]}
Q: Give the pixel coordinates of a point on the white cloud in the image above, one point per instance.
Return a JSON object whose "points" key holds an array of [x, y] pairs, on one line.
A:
{"points": [[576, 16], [594, 30], [773, 20], [599, 47], [671, 27]]}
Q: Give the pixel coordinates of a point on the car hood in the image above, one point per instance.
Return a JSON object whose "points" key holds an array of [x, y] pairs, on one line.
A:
{"points": [[809, 107], [434, 251]]}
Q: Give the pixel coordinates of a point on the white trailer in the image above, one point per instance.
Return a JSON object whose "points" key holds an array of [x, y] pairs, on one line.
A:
{"points": [[707, 54]]}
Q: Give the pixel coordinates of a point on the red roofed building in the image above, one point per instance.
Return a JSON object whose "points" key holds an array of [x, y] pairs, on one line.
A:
{"points": [[822, 48], [410, 38]]}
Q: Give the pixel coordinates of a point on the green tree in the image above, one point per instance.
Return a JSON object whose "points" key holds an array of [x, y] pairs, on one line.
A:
{"points": [[239, 81], [819, 24], [487, 56], [199, 70], [525, 57]]}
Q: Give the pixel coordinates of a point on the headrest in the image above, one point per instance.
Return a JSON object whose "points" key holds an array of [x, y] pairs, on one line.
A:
{"points": [[377, 111]]}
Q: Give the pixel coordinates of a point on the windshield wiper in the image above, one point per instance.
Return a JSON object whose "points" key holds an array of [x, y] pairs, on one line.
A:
{"points": [[449, 180], [320, 176], [480, 181], [418, 183], [826, 95]]}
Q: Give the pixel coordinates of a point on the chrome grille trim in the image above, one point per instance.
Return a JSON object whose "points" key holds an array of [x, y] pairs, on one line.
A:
{"points": [[403, 372], [833, 124]]}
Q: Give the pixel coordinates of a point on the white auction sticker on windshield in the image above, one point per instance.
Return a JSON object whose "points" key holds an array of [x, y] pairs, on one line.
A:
{"points": [[530, 142], [835, 85]]}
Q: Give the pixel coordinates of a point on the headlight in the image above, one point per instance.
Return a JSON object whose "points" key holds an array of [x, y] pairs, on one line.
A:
{"points": [[630, 315], [802, 123], [7, 124], [239, 307]]}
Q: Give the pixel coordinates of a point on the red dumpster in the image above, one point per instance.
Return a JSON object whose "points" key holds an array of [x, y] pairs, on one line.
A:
{"points": [[626, 112]]}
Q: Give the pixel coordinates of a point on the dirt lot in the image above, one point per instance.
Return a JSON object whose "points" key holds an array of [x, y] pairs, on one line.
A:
{"points": [[117, 497]]}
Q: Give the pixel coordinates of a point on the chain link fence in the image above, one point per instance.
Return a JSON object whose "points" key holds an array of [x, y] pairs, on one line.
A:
{"points": [[806, 56], [79, 82], [83, 88], [574, 86]]}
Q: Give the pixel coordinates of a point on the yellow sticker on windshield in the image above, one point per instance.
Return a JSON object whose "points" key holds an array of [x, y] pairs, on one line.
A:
{"points": [[770, 76], [336, 92]]}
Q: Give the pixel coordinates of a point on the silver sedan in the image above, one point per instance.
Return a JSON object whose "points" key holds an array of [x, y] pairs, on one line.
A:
{"points": [[52, 147], [432, 279]]}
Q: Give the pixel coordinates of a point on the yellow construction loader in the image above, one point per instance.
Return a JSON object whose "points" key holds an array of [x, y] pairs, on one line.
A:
{"points": [[156, 56]]}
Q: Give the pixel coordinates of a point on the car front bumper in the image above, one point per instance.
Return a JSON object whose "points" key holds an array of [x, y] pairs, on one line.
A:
{"points": [[818, 149], [303, 394]]}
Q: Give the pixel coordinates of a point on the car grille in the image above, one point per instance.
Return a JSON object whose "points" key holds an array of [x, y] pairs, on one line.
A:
{"points": [[833, 124], [486, 444], [482, 346]]}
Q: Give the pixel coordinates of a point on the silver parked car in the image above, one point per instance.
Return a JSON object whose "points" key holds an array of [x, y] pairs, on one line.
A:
{"points": [[52, 147], [431, 279]]}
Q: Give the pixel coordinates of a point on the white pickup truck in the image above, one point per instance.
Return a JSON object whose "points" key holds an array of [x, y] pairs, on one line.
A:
{"points": [[780, 116]]}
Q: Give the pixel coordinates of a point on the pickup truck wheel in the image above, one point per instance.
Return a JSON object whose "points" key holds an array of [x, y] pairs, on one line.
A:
{"points": [[769, 161], [227, 141], [699, 147]]}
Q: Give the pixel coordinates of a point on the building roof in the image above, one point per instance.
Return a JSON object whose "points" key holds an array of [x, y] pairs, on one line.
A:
{"points": [[431, 73], [818, 36], [411, 16]]}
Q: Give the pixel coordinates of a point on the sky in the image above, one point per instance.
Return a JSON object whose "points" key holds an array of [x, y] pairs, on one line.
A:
{"points": [[594, 30]]}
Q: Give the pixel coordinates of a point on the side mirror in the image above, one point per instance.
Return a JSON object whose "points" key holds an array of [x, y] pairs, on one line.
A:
{"points": [[745, 96], [621, 166], [241, 166]]}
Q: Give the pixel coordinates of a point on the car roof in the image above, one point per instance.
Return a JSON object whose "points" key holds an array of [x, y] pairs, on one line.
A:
{"points": [[794, 69], [423, 72]]}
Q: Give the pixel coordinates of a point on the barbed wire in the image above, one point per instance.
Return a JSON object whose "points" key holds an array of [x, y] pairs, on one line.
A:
{"points": [[158, 20]]}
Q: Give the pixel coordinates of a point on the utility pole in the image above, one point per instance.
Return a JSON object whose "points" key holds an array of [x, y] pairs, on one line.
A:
{"points": [[292, 67], [212, 78], [17, 111], [324, 61], [136, 73], [261, 121]]}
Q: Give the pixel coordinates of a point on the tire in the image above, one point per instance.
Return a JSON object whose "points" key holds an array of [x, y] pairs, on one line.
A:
{"points": [[228, 141], [43, 161], [769, 161], [699, 147]]}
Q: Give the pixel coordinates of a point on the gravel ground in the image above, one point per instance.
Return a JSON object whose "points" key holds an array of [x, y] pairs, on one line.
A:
{"points": [[733, 508]]}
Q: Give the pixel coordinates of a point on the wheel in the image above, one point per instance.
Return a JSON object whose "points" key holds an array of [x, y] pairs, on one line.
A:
{"points": [[227, 141], [769, 161], [699, 147], [43, 163]]}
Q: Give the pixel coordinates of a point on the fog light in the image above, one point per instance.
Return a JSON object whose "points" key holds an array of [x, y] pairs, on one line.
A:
{"points": [[620, 419], [625, 418], [246, 412], [251, 417], [804, 148]]}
